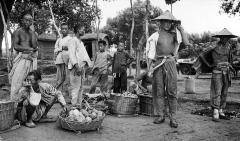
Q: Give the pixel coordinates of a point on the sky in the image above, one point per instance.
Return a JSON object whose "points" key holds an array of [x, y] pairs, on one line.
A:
{"points": [[197, 16]]}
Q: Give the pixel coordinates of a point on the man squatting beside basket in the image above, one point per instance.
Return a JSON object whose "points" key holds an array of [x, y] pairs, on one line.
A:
{"points": [[35, 108], [221, 79], [162, 47]]}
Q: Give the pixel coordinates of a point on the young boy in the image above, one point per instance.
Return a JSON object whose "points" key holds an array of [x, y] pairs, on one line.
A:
{"points": [[100, 68], [121, 60]]}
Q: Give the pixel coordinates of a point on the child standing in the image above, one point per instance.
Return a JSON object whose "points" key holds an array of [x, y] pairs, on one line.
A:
{"points": [[100, 68], [121, 60]]}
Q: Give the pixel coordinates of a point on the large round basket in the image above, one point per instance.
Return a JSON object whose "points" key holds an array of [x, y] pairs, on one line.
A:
{"points": [[6, 114], [78, 126], [124, 105]]}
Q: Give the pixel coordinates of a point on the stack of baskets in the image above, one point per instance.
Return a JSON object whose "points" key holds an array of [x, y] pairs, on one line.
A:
{"points": [[7, 111], [123, 105]]}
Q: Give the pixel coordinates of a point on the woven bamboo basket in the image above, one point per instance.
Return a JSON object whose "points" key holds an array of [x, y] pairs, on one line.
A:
{"points": [[146, 105], [78, 126], [7, 111], [124, 105]]}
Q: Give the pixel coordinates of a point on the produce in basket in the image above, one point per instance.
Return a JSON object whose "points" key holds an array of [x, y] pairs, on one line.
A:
{"points": [[84, 115], [127, 94]]}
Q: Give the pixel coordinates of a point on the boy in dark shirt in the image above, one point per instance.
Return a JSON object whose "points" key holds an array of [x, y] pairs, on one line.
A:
{"points": [[121, 61]]}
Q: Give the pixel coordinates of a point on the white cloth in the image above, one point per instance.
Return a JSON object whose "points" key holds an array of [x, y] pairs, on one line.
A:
{"points": [[76, 83], [77, 53], [152, 43], [62, 55], [22, 65]]}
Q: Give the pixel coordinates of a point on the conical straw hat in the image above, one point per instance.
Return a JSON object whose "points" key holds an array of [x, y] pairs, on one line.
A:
{"points": [[166, 16], [225, 33]]}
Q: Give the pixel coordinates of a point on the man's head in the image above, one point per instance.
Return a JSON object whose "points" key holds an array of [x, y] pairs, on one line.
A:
{"points": [[102, 45], [79, 30], [64, 29], [166, 24], [121, 46], [224, 40], [34, 77], [27, 20]]}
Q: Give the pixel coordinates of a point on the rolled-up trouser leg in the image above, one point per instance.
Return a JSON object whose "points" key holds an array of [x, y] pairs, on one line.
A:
{"points": [[170, 71], [224, 91], [61, 76], [216, 90], [158, 92], [75, 82], [104, 82]]}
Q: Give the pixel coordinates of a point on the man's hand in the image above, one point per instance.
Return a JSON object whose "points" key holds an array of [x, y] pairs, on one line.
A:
{"points": [[180, 28], [65, 48], [78, 70], [25, 102], [64, 107]]}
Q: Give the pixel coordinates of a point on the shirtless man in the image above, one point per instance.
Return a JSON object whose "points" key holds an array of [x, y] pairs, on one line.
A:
{"points": [[163, 47], [25, 43]]}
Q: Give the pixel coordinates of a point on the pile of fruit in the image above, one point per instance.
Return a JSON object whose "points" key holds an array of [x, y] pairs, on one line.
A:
{"points": [[84, 115], [127, 94]]}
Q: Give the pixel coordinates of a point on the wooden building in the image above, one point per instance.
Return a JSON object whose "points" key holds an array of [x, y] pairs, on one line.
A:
{"points": [[46, 44], [90, 42]]}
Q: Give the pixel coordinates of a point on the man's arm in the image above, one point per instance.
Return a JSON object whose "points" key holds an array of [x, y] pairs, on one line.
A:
{"points": [[34, 40], [57, 48], [16, 43]]}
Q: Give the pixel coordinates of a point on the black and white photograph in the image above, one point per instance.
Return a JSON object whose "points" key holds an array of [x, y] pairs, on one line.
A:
{"points": [[119, 70]]}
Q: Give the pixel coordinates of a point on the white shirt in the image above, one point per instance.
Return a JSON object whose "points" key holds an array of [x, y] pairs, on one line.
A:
{"points": [[152, 43], [77, 53]]}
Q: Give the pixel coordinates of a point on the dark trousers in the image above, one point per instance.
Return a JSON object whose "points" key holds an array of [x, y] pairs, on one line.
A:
{"points": [[120, 82], [164, 89], [25, 116]]}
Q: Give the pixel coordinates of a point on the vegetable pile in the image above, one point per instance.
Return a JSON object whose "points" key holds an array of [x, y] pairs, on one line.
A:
{"points": [[84, 115]]}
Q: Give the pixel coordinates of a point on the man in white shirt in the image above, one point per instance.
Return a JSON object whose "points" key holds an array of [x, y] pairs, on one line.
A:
{"points": [[162, 46], [61, 53], [78, 61]]}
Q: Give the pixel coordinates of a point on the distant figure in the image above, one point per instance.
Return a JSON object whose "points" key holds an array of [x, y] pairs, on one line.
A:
{"points": [[62, 58], [78, 63], [144, 81], [221, 79], [25, 42], [121, 61], [162, 47], [48, 97], [100, 68]]}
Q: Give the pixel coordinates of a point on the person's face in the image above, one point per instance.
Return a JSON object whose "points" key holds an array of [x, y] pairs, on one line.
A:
{"points": [[64, 30], [166, 25], [101, 47], [81, 31], [31, 80], [121, 46], [224, 40], [27, 21]]}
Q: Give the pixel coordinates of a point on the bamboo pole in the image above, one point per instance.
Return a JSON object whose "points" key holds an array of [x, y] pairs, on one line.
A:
{"points": [[54, 22], [131, 36], [5, 36], [146, 28]]}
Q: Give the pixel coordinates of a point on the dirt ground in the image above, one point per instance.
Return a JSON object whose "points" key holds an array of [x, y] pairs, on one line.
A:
{"points": [[140, 128]]}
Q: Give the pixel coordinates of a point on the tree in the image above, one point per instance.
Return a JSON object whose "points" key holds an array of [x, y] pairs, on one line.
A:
{"points": [[231, 7], [121, 24], [74, 12]]}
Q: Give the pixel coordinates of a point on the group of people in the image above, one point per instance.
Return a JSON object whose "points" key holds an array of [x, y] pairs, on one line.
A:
{"points": [[72, 59]]}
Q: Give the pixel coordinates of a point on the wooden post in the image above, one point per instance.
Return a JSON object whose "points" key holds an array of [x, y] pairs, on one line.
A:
{"points": [[146, 30]]}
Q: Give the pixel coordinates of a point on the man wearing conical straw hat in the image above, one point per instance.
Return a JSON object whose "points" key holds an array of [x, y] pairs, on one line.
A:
{"points": [[161, 50], [221, 80]]}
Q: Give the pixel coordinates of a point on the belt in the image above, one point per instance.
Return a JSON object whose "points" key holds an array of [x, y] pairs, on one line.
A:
{"points": [[164, 59]]}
